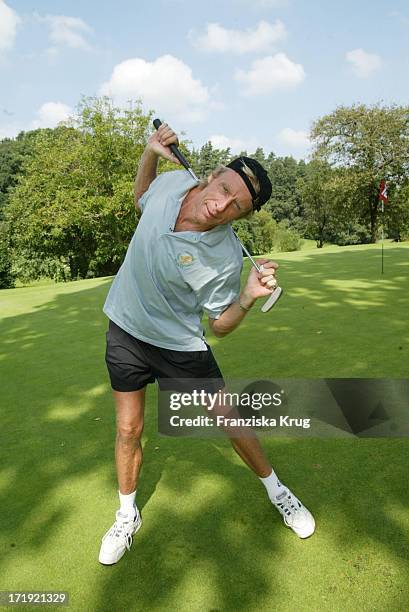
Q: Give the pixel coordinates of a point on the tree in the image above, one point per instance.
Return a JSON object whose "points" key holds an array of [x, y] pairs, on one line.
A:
{"points": [[7, 277], [207, 158], [316, 196], [257, 232], [397, 215], [261, 234], [72, 214], [286, 202], [259, 156], [373, 143], [13, 153]]}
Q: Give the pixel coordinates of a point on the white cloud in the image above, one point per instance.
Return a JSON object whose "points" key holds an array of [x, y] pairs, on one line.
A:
{"points": [[10, 130], [219, 141], [220, 39], [166, 85], [363, 64], [298, 139], [67, 31], [50, 114], [270, 73], [9, 21]]}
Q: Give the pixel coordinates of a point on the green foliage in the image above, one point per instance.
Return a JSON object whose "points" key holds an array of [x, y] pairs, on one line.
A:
{"points": [[351, 233], [208, 158], [328, 195], [261, 234], [286, 239], [7, 277], [286, 202], [244, 231], [317, 196], [257, 232], [72, 213], [13, 153], [370, 143], [397, 213]]}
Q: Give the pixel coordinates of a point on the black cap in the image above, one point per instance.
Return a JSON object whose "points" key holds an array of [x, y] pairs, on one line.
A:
{"points": [[265, 184]]}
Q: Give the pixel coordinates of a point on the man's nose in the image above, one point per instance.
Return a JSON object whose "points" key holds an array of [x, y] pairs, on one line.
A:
{"points": [[224, 202]]}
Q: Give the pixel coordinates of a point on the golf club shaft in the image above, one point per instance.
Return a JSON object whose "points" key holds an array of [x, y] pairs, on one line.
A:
{"points": [[253, 261]]}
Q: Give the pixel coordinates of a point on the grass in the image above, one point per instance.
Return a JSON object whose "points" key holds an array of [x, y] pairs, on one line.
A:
{"points": [[210, 540]]}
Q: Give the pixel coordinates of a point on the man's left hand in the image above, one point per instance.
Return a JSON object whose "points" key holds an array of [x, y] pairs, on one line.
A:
{"points": [[261, 284]]}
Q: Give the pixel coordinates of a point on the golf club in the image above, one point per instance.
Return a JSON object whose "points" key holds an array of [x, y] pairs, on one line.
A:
{"points": [[272, 299]]}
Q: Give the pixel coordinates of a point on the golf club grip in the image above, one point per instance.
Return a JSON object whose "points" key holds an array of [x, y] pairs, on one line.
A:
{"points": [[173, 147]]}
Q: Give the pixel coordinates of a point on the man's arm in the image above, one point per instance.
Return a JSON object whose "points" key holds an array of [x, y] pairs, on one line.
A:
{"points": [[146, 174], [258, 285], [158, 146], [232, 316]]}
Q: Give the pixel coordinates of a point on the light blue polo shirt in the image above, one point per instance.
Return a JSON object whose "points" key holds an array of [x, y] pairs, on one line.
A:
{"points": [[169, 279]]}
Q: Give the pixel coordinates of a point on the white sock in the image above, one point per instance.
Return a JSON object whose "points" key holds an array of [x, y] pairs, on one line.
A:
{"points": [[127, 503], [272, 485]]}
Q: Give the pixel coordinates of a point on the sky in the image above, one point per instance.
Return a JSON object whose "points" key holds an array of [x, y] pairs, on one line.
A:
{"points": [[240, 73]]}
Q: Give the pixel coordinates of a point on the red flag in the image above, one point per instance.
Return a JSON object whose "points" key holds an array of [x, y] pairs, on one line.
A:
{"points": [[383, 192]]}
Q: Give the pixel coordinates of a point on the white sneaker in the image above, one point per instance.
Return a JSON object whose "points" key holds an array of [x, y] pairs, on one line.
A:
{"points": [[118, 539], [295, 515]]}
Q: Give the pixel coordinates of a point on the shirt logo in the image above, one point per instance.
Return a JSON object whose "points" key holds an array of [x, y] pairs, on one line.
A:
{"points": [[185, 259]]}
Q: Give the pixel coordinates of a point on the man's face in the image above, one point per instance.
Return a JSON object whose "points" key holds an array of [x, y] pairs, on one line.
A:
{"points": [[224, 199]]}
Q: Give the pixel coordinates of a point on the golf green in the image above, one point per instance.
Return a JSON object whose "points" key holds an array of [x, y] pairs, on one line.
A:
{"points": [[210, 539]]}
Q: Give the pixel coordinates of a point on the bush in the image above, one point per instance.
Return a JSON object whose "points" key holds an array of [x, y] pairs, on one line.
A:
{"points": [[264, 231], [286, 239], [354, 233], [27, 268], [257, 232], [403, 237], [261, 234]]}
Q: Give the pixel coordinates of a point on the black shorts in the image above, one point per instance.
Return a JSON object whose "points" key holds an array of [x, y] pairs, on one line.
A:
{"points": [[132, 364]]}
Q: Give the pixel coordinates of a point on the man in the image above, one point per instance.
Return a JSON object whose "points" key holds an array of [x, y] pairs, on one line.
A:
{"points": [[183, 261]]}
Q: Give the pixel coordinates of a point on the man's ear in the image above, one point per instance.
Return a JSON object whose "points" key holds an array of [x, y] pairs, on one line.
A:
{"points": [[210, 178]]}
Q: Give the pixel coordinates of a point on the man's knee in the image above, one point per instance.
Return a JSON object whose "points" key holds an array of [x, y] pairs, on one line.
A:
{"points": [[129, 432], [130, 414]]}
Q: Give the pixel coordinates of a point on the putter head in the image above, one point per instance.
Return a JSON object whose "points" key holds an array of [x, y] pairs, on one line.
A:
{"points": [[269, 303]]}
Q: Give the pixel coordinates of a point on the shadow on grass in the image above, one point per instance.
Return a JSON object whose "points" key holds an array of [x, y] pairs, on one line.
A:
{"points": [[58, 424], [53, 357], [338, 317]]}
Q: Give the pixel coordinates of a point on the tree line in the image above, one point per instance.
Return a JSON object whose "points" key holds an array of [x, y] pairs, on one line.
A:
{"points": [[66, 194]]}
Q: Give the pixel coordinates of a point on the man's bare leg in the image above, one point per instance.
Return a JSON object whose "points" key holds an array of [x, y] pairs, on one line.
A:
{"points": [[247, 446], [130, 407], [250, 451], [244, 441]]}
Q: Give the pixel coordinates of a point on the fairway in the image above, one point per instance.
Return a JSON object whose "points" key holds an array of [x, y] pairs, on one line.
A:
{"points": [[210, 540]]}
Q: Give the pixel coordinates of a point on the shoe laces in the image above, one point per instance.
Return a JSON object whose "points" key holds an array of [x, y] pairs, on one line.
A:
{"points": [[289, 506], [120, 529]]}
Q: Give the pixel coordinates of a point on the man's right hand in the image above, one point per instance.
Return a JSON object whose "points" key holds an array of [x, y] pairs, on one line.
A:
{"points": [[160, 140]]}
